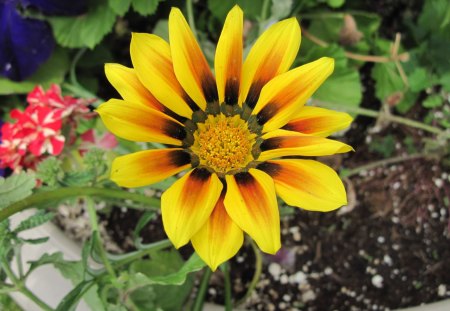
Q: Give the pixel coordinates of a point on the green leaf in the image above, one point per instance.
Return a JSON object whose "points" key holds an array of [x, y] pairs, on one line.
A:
{"points": [[162, 29], [433, 101], [78, 178], [168, 276], [145, 7], [384, 146], [120, 7], [335, 3], [280, 9], [444, 80], [407, 102], [49, 171], [41, 217], [342, 87], [71, 300], [419, 79], [15, 188], [387, 80], [85, 30], [327, 29], [52, 71], [435, 15]]}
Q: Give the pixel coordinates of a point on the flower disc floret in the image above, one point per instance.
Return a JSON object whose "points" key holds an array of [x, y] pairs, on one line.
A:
{"points": [[223, 143]]}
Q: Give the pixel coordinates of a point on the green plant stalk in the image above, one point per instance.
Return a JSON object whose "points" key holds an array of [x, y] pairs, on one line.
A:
{"points": [[200, 299], [21, 286], [256, 276], [391, 118], [191, 20], [64, 193], [226, 273], [264, 10], [94, 226], [383, 162]]}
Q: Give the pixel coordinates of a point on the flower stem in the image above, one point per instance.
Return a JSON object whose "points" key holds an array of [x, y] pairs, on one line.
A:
{"points": [[21, 286], [190, 14], [383, 162], [200, 299], [256, 276], [39, 198], [387, 117], [96, 235], [226, 273], [264, 10]]}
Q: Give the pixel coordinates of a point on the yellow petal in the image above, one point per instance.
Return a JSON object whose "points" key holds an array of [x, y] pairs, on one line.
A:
{"points": [[318, 121], [219, 239], [147, 167], [281, 143], [251, 203], [308, 184], [127, 83], [285, 94], [153, 64], [228, 60], [191, 67], [138, 122], [188, 203], [273, 53]]}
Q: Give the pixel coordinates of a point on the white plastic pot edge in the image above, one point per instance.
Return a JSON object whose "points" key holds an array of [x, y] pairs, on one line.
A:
{"points": [[50, 286]]}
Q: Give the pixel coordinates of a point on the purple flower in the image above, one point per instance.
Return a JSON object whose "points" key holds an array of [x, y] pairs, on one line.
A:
{"points": [[26, 43]]}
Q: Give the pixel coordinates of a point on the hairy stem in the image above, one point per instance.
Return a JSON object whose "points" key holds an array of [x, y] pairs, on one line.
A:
{"points": [[37, 199], [96, 235], [21, 286]]}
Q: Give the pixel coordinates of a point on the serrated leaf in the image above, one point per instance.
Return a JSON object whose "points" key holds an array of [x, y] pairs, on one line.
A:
{"points": [[387, 80], [85, 30], [145, 7], [49, 171], [120, 7], [15, 188], [41, 217], [407, 102], [419, 79], [52, 71], [78, 178]]}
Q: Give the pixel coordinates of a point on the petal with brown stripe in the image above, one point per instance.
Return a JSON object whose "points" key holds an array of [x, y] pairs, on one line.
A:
{"points": [[219, 239], [308, 184], [147, 167], [139, 122], [318, 121], [272, 54], [188, 203], [281, 143], [285, 94], [152, 62], [251, 203], [190, 65], [228, 60]]}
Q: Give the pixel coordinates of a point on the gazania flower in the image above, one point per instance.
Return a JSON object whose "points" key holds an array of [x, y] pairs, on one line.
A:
{"points": [[239, 134]]}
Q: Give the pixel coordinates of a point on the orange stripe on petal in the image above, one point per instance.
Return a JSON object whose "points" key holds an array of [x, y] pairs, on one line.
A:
{"points": [[281, 143], [251, 203], [138, 122], [153, 64], [272, 54], [191, 67], [188, 203], [318, 121], [148, 167], [127, 83], [285, 94], [308, 184], [228, 60], [219, 239]]}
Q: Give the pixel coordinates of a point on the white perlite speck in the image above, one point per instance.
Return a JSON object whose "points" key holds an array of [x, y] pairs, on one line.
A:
{"points": [[275, 270], [442, 290], [377, 281]]}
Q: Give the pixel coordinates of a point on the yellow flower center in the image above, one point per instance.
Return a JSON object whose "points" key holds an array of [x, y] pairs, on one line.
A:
{"points": [[223, 143]]}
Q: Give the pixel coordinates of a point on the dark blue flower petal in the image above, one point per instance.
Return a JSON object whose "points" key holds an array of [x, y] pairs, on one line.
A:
{"points": [[24, 43], [58, 7]]}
